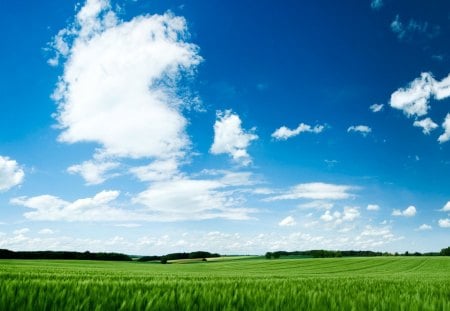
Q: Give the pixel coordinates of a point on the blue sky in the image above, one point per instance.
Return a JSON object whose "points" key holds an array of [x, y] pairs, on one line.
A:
{"points": [[148, 127]]}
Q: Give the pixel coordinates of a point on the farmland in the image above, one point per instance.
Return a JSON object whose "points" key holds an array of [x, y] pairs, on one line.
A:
{"points": [[381, 283]]}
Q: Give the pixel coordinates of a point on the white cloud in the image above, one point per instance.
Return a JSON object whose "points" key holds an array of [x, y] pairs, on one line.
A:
{"points": [[410, 211], [317, 204], [229, 137], [11, 174], [287, 222], [363, 129], [373, 207], [157, 170], [444, 223], [315, 191], [97, 208], [94, 172], [424, 227], [283, 133], [376, 107], [46, 231], [446, 207], [193, 199], [376, 4], [129, 225], [119, 86], [349, 214], [414, 99], [446, 125], [426, 124], [21, 231]]}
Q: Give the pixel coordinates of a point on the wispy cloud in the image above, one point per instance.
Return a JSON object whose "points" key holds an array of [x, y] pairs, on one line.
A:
{"points": [[289, 221], [283, 133], [376, 4], [315, 191], [376, 107], [413, 28]]}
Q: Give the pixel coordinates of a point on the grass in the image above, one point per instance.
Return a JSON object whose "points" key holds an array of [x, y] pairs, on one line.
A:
{"points": [[381, 283]]}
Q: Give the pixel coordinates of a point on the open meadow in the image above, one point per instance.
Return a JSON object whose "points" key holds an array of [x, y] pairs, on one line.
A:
{"points": [[376, 283]]}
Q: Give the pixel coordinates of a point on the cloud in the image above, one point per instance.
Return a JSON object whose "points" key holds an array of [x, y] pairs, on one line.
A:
{"points": [[373, 207], [46, 231], [11, 174], [193, 199], [349, 214], [376, 4], [21, 231], [410, 211], [97, 208], [315, 191], [363, 129], [413, 29], [283, 133], [287, 222], [414, 99], [376, 107], [230, 138], [119, 85], [94, 172], [446, 207], [446, 135], [317, 204], [424, 227], [444, 223], [426, 124], [157, 170]]}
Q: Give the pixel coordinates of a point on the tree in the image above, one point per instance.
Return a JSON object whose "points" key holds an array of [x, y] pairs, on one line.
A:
{"points": [[268, 255], [445, 251]]}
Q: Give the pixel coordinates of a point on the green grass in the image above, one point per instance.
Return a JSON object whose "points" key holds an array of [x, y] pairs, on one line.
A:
{"points": [[384, 283]]}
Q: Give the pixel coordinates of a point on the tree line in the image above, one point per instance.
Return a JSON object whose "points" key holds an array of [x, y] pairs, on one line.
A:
{"points": [[8, 254], [175, 256], [320, 253]]}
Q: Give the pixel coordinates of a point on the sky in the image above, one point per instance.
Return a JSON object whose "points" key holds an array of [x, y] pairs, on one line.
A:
{"points": [[238, 127]]}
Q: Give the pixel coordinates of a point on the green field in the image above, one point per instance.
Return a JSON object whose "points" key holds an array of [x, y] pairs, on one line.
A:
{"points": [[380, 283]]}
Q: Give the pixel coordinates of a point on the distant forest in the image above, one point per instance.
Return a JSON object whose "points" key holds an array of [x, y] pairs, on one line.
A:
{"points": [[320, 253], [8, 254]]}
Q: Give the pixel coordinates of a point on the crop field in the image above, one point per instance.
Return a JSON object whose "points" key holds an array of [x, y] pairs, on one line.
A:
{"points": [[378, 283]]}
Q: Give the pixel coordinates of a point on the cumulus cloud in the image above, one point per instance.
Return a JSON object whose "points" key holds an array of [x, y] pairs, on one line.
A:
{"points": [[373, 207], [363, 129], [283, 133], [119, 85], [376, 107], [287, 222], [157, 170], [376, 4], [426, 124], [315, 191], [446, 207], [21, 231], [410, 211], [446, 125], [230, 138], [349, 214], [11, 174], [414, 99], [94, 172], [444, 223], [424, 227]]}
